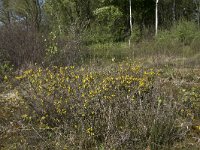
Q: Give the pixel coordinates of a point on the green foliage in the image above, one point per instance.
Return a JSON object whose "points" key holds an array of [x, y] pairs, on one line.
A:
{"points": [[5, 71], [57, 18], [107, 26], [107, 15], [180, 40], [186, 32], [136, 34]]}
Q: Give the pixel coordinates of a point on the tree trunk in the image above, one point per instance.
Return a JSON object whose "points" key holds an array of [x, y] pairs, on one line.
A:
{"points": [[131, 24], [156, 18], [174, 11], [197, 3]]}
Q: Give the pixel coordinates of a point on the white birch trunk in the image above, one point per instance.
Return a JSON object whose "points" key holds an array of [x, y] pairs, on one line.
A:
{"points": [[131, 24], [198, 16], [156, 18]]}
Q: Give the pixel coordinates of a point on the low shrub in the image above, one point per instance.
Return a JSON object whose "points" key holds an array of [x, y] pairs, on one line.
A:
{"points": [[78, 108]]}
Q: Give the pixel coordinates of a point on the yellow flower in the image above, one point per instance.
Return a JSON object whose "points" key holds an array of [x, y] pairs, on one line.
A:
{"points": [[141, 83], [90, 131], [5, 77]]}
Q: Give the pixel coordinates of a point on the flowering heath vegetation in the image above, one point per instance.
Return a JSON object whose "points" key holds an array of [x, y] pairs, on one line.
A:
{"points": [[123, 106], [55, 94]]}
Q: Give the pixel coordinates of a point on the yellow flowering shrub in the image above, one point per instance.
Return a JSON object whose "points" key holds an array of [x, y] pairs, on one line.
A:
{"points": [[55, 93], [116, 107]]}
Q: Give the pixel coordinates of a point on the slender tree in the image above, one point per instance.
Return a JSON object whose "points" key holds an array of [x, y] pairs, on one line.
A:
{"points": [[156, 18], [131, 24]]}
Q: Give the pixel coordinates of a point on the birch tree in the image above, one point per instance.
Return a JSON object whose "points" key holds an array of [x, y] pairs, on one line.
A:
{"points": [[156, 18], [131, 25]]}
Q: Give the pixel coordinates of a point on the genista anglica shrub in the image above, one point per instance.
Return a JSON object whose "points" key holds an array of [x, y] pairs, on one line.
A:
{"points": [[60, 85], [114, 109]]}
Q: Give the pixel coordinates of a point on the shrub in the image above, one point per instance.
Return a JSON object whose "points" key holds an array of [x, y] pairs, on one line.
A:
{"points": [[185, 32], [64, 50], [21, 45], [118, 108]]}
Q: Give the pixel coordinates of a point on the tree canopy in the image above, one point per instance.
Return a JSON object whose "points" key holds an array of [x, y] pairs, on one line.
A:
{"points": [[106, 20]]}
